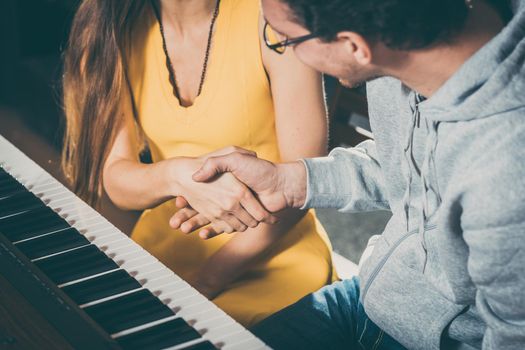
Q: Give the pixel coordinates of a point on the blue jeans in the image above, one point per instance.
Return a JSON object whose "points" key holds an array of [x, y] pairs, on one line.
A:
{"points": [[331, 318]]}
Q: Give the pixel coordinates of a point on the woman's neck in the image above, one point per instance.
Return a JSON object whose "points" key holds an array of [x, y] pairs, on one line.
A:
{"points": [[186, 14]]}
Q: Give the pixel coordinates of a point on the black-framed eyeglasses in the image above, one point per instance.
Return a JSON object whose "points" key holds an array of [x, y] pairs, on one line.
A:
{"points": [[278, 43]]}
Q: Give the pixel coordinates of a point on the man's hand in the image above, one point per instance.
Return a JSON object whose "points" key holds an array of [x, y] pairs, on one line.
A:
{"points": [[223, 200], [276, 186]]}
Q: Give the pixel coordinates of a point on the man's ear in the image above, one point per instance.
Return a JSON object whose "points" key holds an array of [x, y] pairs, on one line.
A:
{"points": [[357, 46]]}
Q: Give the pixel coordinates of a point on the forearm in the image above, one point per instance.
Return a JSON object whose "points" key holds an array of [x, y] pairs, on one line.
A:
{"points": [[242, 251], [348, 179], [135, 186], [292, 179]]}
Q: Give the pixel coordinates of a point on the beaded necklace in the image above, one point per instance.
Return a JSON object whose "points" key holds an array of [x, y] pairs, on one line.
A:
{"points": [[171, 71]]}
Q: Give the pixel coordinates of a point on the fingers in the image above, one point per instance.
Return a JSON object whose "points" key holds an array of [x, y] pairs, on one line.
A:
{"points": [[207, 233], [256, 209], [181, 202], [194, 223], [232, 224], [210, 231], [246, 218], [182, 216]]}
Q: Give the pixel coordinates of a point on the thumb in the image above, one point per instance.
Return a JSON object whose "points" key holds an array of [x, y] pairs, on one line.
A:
{"points": [[212, 167]]}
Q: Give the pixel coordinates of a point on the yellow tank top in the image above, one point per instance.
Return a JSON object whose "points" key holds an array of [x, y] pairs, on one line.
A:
{"points": [[234, 108]]}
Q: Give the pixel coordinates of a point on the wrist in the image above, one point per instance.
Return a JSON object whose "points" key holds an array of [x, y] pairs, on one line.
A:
{"points": [[177, 172], [293, 182]]}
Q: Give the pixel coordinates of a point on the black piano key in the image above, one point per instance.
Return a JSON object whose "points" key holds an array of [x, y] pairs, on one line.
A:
{"points": [[70, 262], [52, 244], [4, 175], [128, 311], [31, 224], [85, 269], [76, 264], [10, 186], [101, 287], [18, 203], [161, 336], [202, 346], [66, 259], [117, 305], [31, 217]]}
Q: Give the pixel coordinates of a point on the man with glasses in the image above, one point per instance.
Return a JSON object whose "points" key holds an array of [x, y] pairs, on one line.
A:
{"points": [[445, 85]]}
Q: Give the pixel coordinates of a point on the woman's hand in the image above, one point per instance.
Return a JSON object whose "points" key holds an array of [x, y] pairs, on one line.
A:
{"points": [[276, 186], [224, 200]]}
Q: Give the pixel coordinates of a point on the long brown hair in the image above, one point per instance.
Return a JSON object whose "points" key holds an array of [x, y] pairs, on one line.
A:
{"points": [[94, 81]]}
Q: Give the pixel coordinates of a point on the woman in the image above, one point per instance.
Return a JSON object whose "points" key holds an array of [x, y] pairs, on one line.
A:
{"points": [[191, 77]]}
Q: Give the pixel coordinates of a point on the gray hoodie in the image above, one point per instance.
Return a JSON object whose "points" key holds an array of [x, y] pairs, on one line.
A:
{"points": [[449, 269]]}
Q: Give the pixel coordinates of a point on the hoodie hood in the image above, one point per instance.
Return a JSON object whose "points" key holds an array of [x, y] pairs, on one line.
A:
{"points": [[491, 81]]}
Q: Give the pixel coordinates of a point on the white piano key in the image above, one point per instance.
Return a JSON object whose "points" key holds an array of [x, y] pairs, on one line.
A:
{"points": [[252, 344], [137, 259], [148, 270], [54, 254], [81, 219], [130, 265], [214, 320], [99, 234], [186, 301], [186, 345], [70, 206], [222, 334], [121, 250], [195, 312], [165, 284], [179, 294], [173, 295], [90, 226], [111, 297], [142, 327], [110, 238], [39, 236], [85, 218], [209, 323], [237, 338], [17, 213], [41, 188], [57, 201], [52, 192], [86, 278]]}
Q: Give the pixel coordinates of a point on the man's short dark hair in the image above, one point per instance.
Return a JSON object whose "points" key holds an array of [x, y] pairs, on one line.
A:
{"points": [[399, 24]]}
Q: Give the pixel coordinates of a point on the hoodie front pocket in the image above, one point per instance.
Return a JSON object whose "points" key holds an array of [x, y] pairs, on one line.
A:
{"points": [[402, 302], [382, 253]]}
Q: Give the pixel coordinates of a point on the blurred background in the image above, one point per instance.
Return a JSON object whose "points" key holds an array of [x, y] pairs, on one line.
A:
{"points": [[33, 34]]}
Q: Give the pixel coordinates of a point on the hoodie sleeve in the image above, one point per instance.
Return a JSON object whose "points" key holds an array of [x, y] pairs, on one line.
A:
{"points": [[349, 179], [493, 223]]}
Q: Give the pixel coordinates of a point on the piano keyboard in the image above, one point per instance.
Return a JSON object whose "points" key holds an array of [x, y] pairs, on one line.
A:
{"points": [[80, 270]]}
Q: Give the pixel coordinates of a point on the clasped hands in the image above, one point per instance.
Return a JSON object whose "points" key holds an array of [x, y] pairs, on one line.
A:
{"points": [[243, 191]]}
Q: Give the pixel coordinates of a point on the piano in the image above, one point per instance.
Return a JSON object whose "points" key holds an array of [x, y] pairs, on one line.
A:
{"points": [[70, 279]]}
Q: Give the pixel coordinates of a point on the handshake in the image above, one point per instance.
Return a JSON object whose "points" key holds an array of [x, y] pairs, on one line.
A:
{"points": [[237, 190]]}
